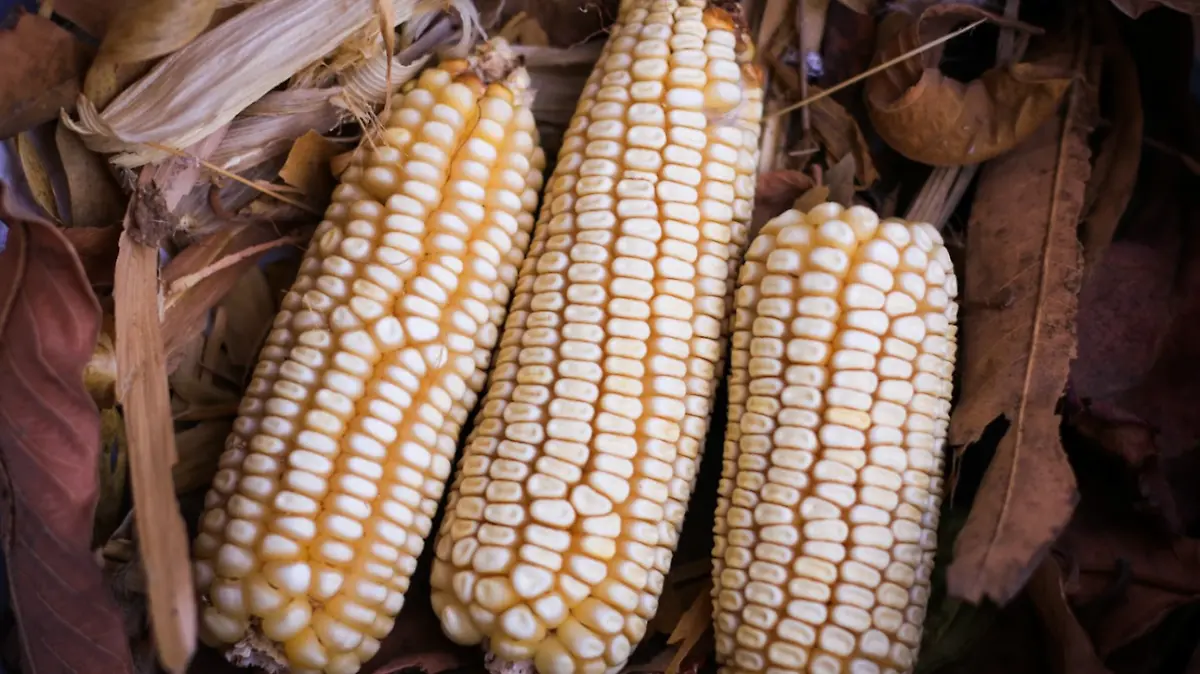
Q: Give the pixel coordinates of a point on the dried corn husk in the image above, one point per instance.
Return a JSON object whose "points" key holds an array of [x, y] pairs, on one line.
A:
{"points": [[353, 84], [206, 84]]}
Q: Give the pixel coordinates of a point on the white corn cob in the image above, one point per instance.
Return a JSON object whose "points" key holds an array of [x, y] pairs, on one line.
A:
{"points": [[567, 507], [839, 400]]}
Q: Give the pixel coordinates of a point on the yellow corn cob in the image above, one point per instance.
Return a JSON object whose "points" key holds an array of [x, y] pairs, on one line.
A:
{"points": [[345, 439], [569, 498], [839, 399]]}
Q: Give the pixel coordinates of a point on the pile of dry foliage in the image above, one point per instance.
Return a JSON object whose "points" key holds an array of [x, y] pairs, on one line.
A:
{"points": [[167, 161]]}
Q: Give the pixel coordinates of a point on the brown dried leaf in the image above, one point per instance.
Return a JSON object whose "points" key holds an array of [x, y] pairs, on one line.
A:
{"points": [[41, 73], [147, 29], [92, 16], [774, 26], [848, 45], [1021, 247], [93, 195], [570, 21], [777, 191], [525, 30], [1127, 576], [185, 312], [250, 309], [840, 179], [1115, 171], [840, 135], [812, 27], [813, 197], [36, 174], [49, 446], [937, 120], [1075, 653], [142, 390], [97, 249], [308, 166], [1135, 8], [199, 447], [692, 626], [859, 6]]}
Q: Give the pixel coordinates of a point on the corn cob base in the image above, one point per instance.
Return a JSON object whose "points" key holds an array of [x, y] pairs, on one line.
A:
{"points": [[843, 352], [570, 496], [345, 438]]}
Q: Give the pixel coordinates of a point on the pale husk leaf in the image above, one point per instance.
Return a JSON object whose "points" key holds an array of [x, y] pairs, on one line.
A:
{"points": [[186, 96]]}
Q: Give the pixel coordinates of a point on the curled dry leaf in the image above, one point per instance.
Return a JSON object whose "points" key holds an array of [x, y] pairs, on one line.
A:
{"points": [[36, 173], [43, 64], [49, 448], [93, 197], [1022, 281], [307, 167], [840, 136], [1074, 651], [934, 119], [148, 29]]}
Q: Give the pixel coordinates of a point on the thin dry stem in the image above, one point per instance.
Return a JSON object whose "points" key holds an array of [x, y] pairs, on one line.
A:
{"points": [[184, 283], [881, 67]]}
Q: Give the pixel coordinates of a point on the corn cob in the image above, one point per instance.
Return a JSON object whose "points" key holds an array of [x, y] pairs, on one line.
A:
{"points": [[839, 400], [568, 501], [346, 436]]}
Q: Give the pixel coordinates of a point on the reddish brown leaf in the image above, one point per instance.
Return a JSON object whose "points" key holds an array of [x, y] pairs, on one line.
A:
{"points": [[97, 250], [1074, 653], [1139, 320], [1022, 278], [1132, 441], [848, 45], [1115, 171], [776, 192], [41, 73], [840, 136], [935, 119], [93, 197], [1127, 576], [49, 446], [1125, 315]]}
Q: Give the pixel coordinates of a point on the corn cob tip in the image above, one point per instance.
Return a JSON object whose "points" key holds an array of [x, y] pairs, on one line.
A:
{"points": [[843, 354]]}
